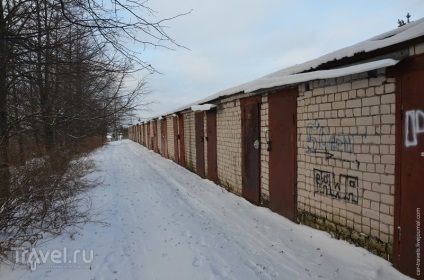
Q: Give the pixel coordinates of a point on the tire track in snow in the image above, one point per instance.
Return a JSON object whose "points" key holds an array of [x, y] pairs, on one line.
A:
{"points": [[117, 261], [248, 236], [172, 175]]}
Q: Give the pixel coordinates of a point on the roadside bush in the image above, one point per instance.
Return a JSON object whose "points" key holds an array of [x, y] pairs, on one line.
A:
{"points": [[48, 197]]}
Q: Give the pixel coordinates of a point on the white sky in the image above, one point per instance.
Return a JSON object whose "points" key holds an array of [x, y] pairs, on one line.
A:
{"points": [[235, 41]]}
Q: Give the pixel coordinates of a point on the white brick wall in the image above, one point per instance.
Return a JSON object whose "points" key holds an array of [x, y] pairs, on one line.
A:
{"points": [[189, 140], [170, 136], [264, 152], [346, 134], [229, 144]]}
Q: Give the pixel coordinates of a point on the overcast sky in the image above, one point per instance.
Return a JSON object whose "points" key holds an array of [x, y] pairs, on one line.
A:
{"points": [[235, 41]]}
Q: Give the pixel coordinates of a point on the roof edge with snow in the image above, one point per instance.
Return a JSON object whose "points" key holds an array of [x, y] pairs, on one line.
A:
{"points": [[305, 72]]}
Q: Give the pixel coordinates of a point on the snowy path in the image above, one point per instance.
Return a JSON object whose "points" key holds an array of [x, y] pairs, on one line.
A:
{"points": [[167, 223]]}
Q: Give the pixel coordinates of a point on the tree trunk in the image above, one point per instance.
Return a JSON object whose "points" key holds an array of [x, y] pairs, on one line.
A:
{"points": [[43, 75], [4, 166]]}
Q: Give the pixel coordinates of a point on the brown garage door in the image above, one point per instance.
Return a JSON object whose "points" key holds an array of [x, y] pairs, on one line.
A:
{"points": [[250, 137], [410, 168], [181, 139], [155, 136], [149, 137], [282, 155], [200, 147], [164, 138]]}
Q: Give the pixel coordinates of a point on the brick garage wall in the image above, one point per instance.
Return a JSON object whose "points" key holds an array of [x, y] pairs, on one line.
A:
{"points": [[189, 140], [228, 120], [229, 143], [416, 50], [346, 140], [264, 153], [346, 158], [170, 136]]}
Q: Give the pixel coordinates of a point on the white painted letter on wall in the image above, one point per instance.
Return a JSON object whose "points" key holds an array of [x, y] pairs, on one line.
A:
{"points": [[414, 125]]}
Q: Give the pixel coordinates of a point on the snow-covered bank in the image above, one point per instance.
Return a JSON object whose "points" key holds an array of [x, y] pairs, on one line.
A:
{"points": [[168, 223]]}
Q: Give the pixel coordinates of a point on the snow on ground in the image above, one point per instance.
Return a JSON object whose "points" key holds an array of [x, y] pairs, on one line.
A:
{"points": [[168, 223]]}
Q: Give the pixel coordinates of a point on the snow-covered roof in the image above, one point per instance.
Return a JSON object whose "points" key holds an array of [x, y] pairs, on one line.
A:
{"points": [[295, 74], [204, 107], [273, 81]]}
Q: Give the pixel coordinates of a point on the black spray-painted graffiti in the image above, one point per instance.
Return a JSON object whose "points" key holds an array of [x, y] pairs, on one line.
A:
{"points": [[414, 124], [320, 139], [345, 189]]}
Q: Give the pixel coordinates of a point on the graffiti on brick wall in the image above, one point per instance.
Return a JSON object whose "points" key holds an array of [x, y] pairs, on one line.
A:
{"points": [[414, 125], [346, 188], [319, 138]]}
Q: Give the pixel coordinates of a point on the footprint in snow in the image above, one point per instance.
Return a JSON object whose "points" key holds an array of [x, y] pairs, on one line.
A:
{"points": [[198, 261], [202, 242], [186, 233]]}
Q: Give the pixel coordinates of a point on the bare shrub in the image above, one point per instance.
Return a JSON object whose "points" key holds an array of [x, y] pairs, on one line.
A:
{"points": [[48, 198]]}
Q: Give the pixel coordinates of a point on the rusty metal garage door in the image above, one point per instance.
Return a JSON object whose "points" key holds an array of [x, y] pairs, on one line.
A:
{"points": [[282, 152], [409, 192], [200, 147], [251, 152]]}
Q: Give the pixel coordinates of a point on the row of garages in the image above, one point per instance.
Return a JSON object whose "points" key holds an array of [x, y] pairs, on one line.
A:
{"points": [[336, 143]]}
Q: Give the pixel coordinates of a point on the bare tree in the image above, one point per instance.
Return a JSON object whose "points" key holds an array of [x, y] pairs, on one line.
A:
{"points": [[119, 22], [4, 169], [63, 71]]}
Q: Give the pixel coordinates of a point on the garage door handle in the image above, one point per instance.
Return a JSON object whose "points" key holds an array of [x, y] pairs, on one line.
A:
{"points": [[256, 144]]}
